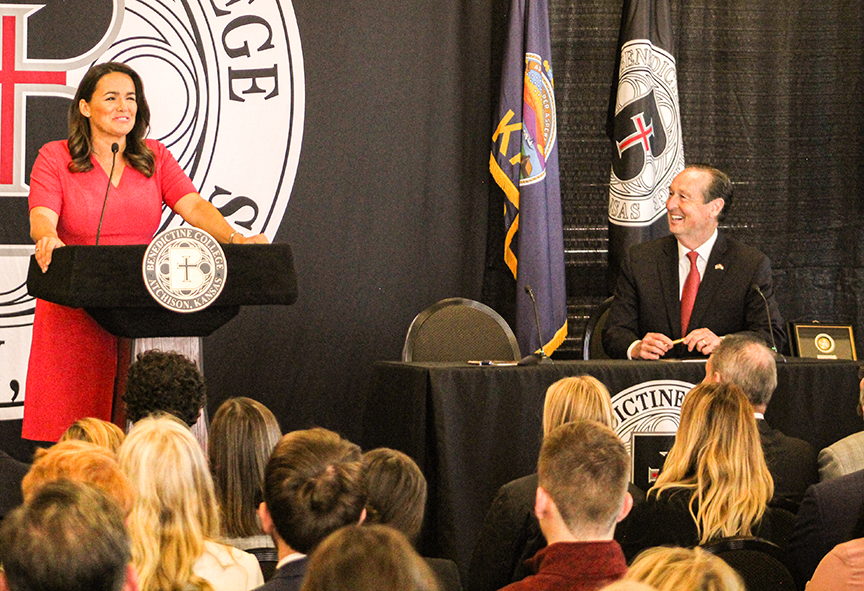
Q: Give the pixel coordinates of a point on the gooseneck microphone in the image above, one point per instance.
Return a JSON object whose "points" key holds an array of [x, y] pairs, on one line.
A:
{"points": [[768, 314], [540, 357], [115, 147]]}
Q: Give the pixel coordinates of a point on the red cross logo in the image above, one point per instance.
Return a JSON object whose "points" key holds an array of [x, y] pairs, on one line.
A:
{"points": [[642, 134], [14, 78]]}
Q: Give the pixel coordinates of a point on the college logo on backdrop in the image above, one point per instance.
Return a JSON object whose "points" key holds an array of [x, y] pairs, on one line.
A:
{"points": [[224, 80], [649, 407], [225, 84], [647, 135]]}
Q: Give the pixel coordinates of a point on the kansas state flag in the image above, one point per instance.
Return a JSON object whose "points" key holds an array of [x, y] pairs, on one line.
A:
{"points": [[645, 128], [524, 163]]}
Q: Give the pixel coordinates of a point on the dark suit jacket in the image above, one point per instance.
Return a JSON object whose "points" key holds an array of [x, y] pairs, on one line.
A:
{"points": [[791, 461], [11, 474], [510, 535], [826, 518], [647, 300], [446, 572], [287, 578]]}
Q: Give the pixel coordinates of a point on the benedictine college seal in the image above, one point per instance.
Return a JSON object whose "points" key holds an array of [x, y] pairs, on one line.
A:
{"points": [[184, 269]]}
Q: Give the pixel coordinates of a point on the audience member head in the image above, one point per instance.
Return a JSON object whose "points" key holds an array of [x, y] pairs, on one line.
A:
{"points": [[582, 471], [397, 491], [176, 507], [747, 363], [164, 382], [79, 461], [683, 569], [717, 455], [68, 537], [370, 558], [243, 433], [313, 485], [96, 431], [573, 398]]}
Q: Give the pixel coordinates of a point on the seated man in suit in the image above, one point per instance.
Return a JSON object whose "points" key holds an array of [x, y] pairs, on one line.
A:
{"points": [[749, 364], [827, 517], [581, 495], [847, 455], [313, 484], [68, 537], [667, 306]]}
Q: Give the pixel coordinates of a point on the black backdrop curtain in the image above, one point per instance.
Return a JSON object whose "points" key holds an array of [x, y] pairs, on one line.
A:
{"points": [[390, 204]]}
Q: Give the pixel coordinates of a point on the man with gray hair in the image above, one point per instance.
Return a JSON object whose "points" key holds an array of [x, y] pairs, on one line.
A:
{"points": [[847, 455], [748, 363]]}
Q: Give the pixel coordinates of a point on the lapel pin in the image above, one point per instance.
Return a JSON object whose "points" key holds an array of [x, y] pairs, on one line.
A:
{"points": [[718, 267]]}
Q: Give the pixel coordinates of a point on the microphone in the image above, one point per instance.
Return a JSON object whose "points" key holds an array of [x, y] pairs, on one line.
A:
{"points": [[768, 315], [539, 357], [114, 149]]}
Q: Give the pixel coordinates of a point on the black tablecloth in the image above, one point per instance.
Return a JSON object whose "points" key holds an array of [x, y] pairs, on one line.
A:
{"points": [[472, 429]]}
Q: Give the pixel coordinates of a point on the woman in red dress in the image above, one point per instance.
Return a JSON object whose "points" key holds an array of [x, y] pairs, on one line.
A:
{"points": [[73, 360]]}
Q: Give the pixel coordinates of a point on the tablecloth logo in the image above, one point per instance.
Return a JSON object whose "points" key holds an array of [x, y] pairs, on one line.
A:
{"points": [[649, 407]]}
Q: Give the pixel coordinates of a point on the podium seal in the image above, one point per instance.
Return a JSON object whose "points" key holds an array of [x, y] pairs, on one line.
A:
{"points": [[184, 269]]}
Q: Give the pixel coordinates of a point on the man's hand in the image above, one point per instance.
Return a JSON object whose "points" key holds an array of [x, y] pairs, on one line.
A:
{"points": [[652, 346], [702, 340]]}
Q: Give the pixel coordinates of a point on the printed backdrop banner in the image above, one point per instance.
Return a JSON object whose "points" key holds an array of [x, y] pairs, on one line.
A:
{"points": [[524, 163], [645, 128], [16, 324]]}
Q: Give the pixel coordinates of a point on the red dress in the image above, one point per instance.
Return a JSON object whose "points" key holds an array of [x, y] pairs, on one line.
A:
{"points": [[73, 360]]}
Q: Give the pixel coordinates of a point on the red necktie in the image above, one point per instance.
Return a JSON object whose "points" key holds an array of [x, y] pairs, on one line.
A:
{"points": [[688, 295]]}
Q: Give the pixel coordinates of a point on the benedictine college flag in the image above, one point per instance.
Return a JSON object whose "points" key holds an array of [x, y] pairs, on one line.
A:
{"points": [[645, 128], [524, 163]]}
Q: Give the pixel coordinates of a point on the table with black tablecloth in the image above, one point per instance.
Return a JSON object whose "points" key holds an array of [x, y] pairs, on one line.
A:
{"points": [[472, 429]]}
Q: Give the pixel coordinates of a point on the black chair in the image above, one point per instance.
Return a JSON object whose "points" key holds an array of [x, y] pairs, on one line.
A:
{"points": [[459, 329], [592, 339], [761, 564]]}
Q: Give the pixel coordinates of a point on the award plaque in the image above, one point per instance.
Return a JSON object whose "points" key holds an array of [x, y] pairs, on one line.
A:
{"points": [[823, 341]]}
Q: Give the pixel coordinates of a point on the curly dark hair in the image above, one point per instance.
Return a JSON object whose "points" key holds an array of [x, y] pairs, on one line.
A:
{"points": [[166, 382]]}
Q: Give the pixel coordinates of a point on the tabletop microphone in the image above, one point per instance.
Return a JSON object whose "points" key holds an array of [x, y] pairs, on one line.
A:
{"points": [[115, 147], [768, 315], [540, 357]]}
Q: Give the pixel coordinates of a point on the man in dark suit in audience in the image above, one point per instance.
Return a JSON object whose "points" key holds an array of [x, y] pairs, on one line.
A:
{"points": [[581, 495], [68, 537], [313, 485], [827, 517], [746, 362]]}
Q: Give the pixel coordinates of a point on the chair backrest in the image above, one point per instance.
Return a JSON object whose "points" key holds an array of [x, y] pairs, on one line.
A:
{"points": [[592, 339], [761, 564], [459, 329]]}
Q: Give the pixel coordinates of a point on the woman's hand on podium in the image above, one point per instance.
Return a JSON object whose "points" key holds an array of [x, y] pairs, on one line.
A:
{"points": [[44, 248]]}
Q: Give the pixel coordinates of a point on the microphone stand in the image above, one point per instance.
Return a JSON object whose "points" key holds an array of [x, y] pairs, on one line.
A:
{"points": [[114, 149], [539, 358]]}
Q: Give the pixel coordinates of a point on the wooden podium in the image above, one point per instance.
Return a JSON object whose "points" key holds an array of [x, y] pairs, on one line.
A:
{"points": [[108, 283]]}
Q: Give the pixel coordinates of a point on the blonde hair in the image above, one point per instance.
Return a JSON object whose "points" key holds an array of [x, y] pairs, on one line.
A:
{"points": [[95, 431], [717, 455], [579, 397], [683, 569], [80, 461], [176, 507]]}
